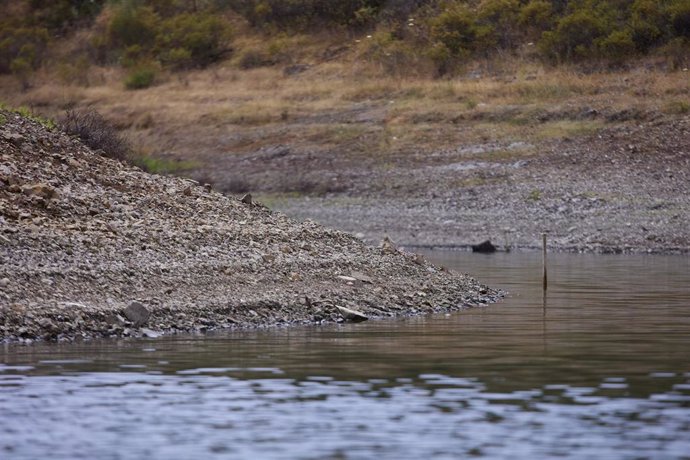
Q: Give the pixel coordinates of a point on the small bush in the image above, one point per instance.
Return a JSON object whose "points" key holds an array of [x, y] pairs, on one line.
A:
{"points": [[574, 37], [60, 15], [455, 29], [618, 46], [140, 78], [95, 132]]}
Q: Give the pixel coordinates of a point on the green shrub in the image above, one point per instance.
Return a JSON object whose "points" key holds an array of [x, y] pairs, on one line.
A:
{"points": [[498, 20], [574, 37], [192, 39], [536, 17], [617, 46], [455, 29], [140, 77], [61, 15], [646, 24], [133, 25]]}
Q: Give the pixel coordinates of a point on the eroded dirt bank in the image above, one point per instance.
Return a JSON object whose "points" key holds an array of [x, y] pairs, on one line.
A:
{"points": [[91, 247]]}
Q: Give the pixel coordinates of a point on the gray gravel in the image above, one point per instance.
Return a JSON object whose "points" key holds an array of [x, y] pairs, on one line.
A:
{"points": [[90, 247]]}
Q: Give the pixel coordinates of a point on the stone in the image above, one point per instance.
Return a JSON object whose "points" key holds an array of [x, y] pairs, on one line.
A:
{"points": [[15, 138], [247, 199], [348, 279], [388, 247], [115, 320], [4, 282], [484, 247], [137, 313], [351, 315], [42, 190], [362, 277], [150, 333], [418, 259]]}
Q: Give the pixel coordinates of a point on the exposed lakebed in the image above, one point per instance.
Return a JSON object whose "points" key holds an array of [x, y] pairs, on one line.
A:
{"points": [[598, 368]]}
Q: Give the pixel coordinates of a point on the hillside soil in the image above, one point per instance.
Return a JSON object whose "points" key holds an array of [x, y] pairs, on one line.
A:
{"points": [[90, 247]]}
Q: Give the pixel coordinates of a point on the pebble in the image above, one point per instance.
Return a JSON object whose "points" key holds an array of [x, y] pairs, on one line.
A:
{"points": [[137, 313]]}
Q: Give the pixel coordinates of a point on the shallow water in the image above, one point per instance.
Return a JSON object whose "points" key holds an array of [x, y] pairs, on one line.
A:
{"points": [[599, 368]]}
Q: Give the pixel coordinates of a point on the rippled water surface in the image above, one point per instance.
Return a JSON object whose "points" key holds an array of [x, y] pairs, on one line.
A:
{"points": [[599, 368]]}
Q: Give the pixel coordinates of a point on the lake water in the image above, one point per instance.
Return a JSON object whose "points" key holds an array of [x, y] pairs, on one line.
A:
{"points": [[599, 368]]}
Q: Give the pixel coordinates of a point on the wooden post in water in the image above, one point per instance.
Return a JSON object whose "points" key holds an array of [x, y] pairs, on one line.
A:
{"points": [[543, 252]]}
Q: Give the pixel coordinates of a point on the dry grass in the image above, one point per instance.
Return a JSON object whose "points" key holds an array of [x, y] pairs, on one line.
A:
{"points": [[222, 110]]}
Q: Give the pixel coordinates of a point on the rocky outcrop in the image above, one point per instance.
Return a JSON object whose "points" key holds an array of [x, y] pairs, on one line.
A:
{"points": [[92, 247]]}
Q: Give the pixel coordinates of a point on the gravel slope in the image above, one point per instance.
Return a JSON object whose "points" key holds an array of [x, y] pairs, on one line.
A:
{"points": [[91, 247]]}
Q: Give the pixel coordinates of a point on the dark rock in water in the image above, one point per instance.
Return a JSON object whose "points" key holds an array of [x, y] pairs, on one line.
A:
{"points": [[137, 314], [351, 315], [486, 246]]}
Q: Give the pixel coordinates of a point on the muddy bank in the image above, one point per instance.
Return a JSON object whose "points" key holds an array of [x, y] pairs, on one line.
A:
{"points": [[90, 247], [623, 189]]}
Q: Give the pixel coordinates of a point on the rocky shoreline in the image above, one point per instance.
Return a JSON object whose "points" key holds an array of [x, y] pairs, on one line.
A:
{"points": [[90, 247]]}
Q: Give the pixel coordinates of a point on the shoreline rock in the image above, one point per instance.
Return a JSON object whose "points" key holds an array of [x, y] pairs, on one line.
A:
{"points": [[96, 248]]}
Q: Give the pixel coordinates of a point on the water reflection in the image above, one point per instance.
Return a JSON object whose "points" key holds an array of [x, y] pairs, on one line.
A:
{"points": [[599, 368]]}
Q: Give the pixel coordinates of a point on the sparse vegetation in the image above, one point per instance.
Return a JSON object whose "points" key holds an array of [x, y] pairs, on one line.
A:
{"points": [[162, 165], [140, 77], [96, 132], [405, 38], [28, 113]]}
